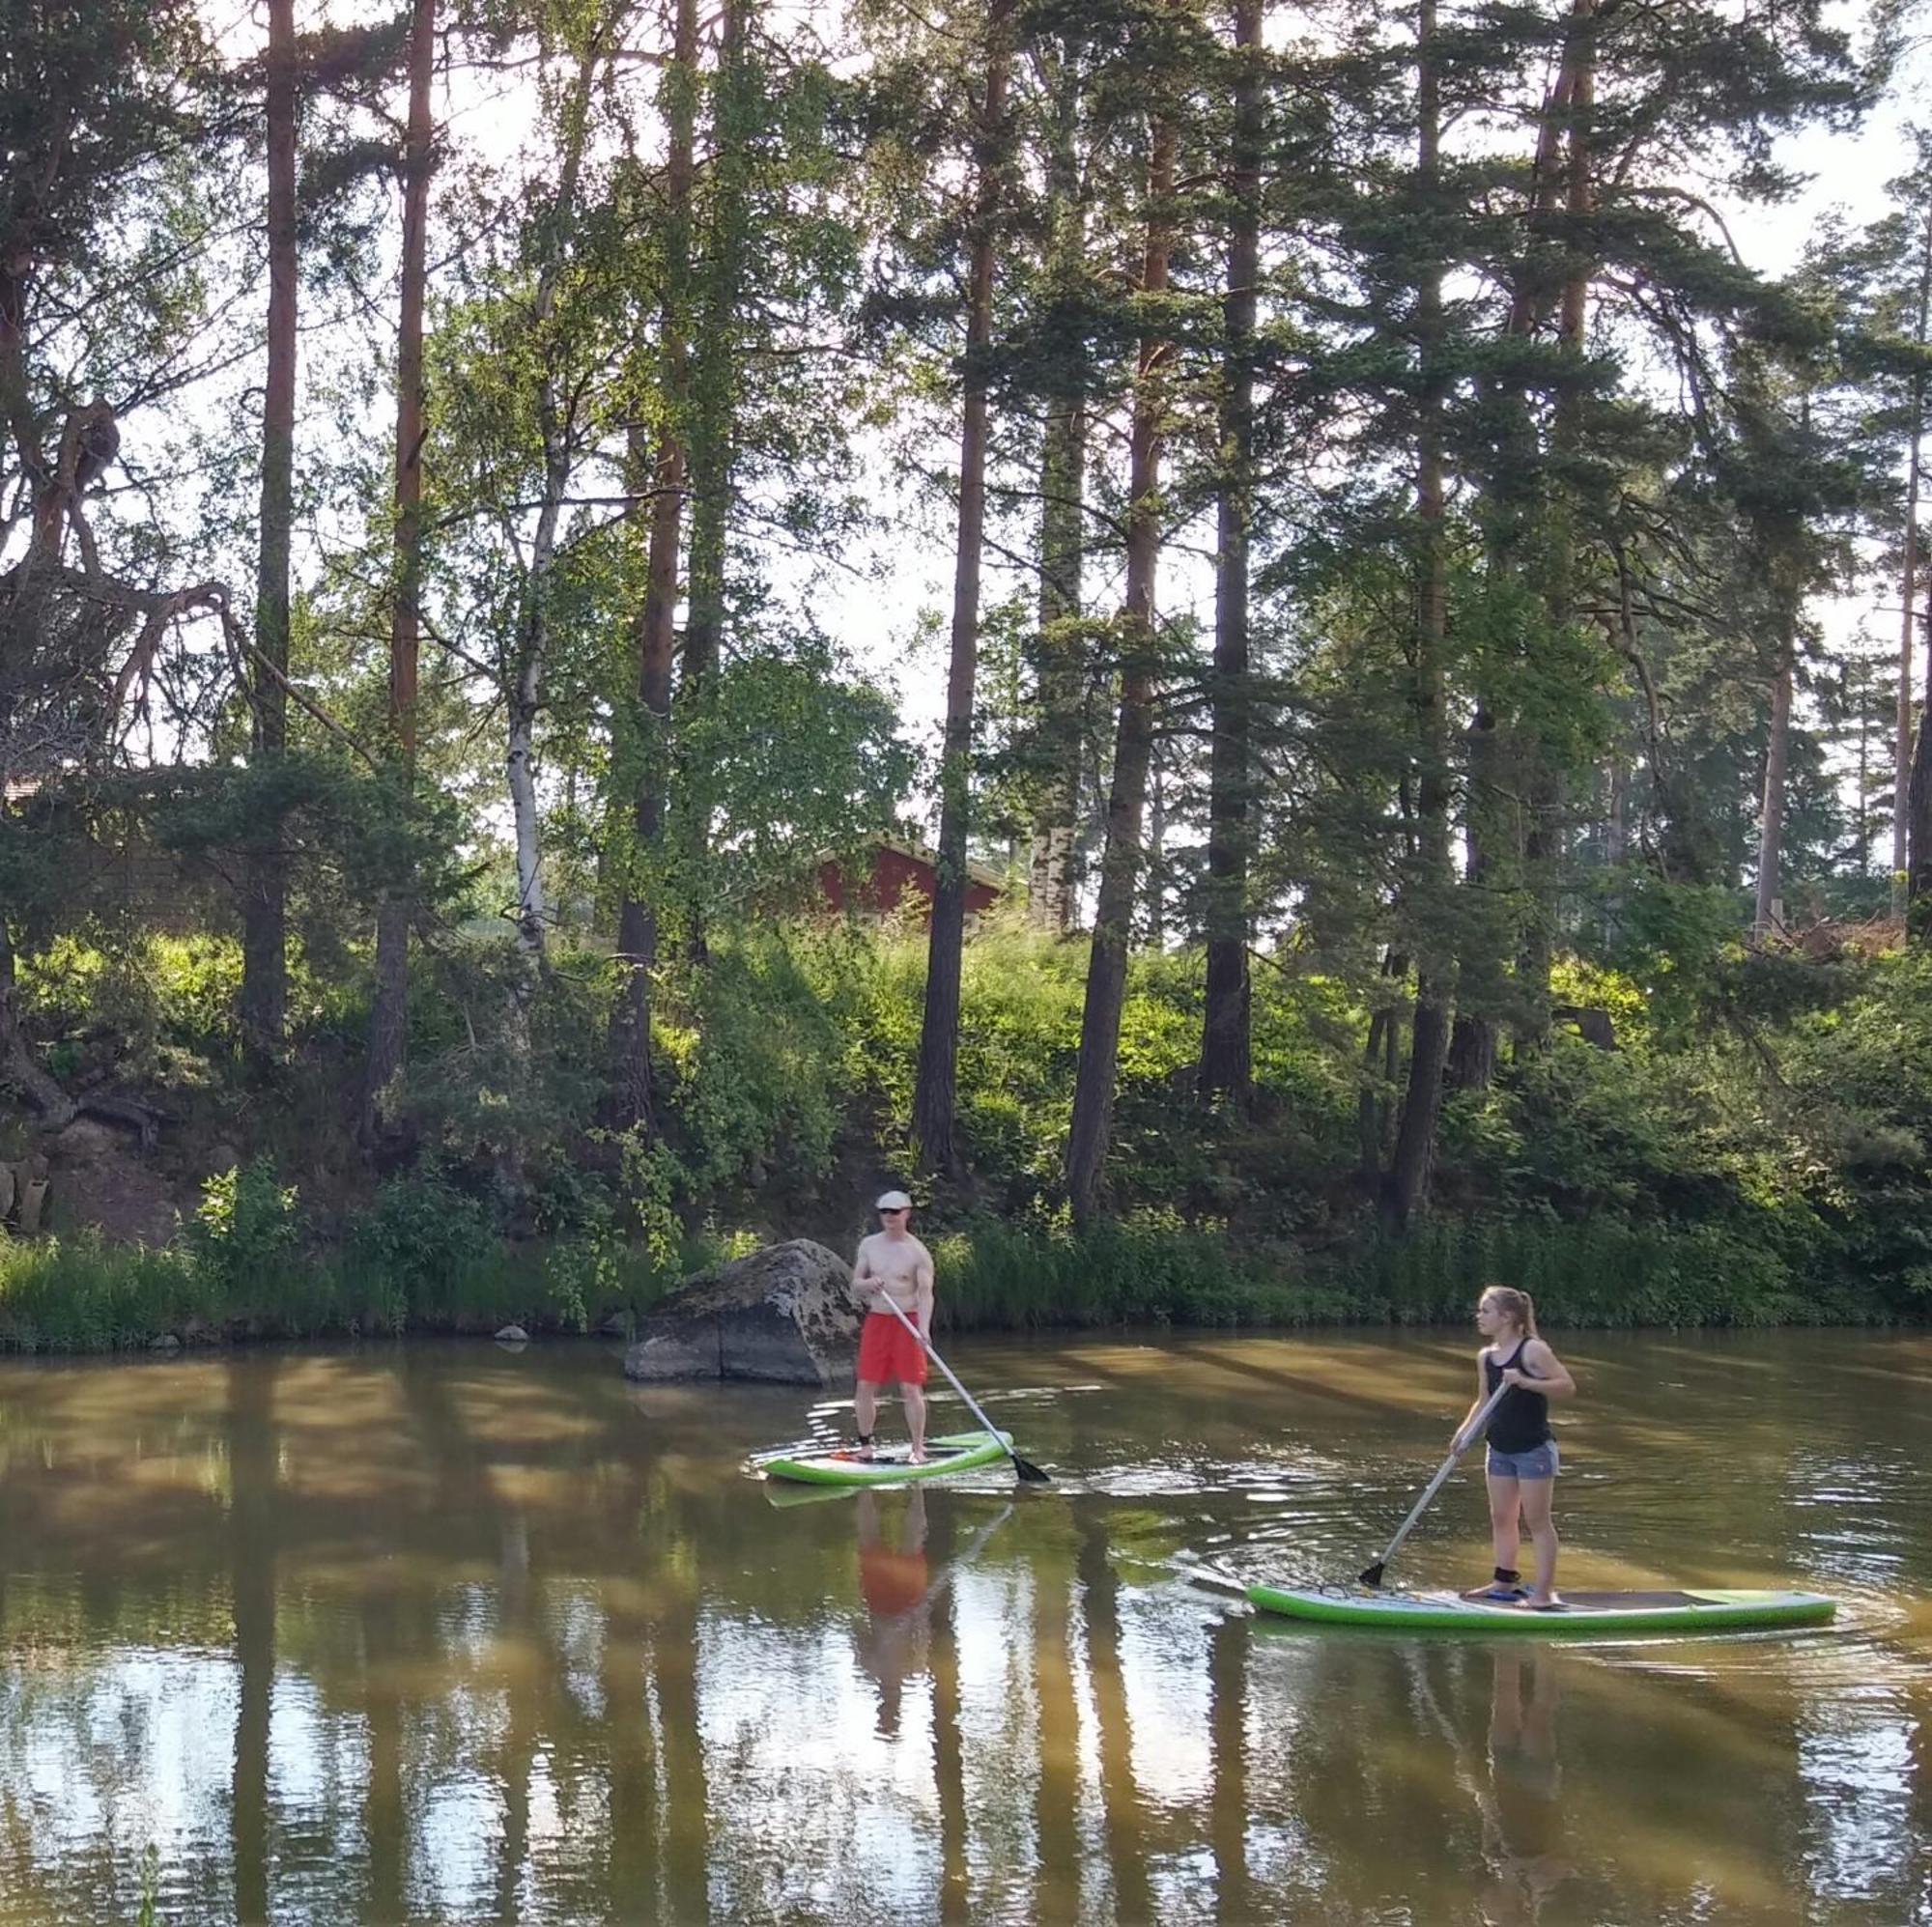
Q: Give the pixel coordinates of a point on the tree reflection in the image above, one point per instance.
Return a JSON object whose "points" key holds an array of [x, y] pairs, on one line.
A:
{"points": [[252, 1523]]}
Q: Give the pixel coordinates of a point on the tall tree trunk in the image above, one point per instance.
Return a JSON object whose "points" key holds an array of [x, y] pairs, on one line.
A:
{"points": [[1063, 539], [1542, 782], [1771, 825], [630, 1096], [1226, 1057], [555, 432], [265, 888], [1407, 1180], [1094, 1076], [935, 1097], [1156, 849], [714, 393], [1493, 829], [1919, 812], [1901, 842], [388, 1014], [1382, 1058]]}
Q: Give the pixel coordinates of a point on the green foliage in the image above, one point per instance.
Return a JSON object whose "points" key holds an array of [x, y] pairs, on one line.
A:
{"points": [[753, 1053], [426, 1249], [84, 1295], [246, 1229], [1150, 1268], [1598, 1271]]}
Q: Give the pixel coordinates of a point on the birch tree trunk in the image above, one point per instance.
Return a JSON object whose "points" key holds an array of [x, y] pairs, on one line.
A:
{"points": [[1770, 824]]}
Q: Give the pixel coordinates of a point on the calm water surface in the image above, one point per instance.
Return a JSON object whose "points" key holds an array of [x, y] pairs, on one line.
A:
{"points": [[446, 1634]]}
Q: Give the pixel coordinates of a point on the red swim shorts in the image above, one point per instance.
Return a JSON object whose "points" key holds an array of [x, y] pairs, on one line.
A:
{"points": [[888, 1351], [892, 1582]]}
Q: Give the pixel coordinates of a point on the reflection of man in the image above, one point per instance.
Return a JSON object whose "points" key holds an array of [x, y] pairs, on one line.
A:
{"points": [[892, 1265], [1522, 1822], [896, 1584]]}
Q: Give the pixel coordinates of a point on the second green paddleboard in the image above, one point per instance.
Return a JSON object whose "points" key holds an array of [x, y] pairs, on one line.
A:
{"points": [[1702, 1609]]}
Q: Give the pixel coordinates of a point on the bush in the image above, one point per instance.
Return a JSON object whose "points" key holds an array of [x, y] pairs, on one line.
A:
{"points": [[425, 1251], [242, 1236]]}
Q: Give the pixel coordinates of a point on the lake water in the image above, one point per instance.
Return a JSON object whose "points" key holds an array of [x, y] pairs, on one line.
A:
{"points": [[442, 1633]]}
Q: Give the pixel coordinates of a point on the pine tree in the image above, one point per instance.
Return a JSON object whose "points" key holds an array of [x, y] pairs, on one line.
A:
{"points": [[264, 901], [388, 1013]]}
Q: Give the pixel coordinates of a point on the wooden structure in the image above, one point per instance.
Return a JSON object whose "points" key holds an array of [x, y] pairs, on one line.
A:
{"points": [[897, 877]]}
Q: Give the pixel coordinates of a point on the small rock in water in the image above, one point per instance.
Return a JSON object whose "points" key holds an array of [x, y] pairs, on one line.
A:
{"points": [[513, 1335], [167, 1342]]}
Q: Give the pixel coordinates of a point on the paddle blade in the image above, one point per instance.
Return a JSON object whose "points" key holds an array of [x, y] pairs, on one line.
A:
{"points": [[1371, 1575], [1030, 1473]]}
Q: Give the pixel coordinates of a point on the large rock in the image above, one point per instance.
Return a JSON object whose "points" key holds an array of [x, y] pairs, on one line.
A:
{"points": [[785, 1315]]}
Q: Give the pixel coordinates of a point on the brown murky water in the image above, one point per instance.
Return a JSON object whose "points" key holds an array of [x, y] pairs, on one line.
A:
{"points": [[445, 1634]]}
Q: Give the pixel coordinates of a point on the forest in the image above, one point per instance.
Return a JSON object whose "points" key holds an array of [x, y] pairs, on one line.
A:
{"points": [[1425, 610]]}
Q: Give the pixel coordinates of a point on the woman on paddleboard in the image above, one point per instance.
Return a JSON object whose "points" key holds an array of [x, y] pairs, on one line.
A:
{"points": [[1522, 1453]]}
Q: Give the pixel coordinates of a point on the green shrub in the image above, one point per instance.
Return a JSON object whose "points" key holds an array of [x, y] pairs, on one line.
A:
{"points": [[426, 1251], [239, 1240]]}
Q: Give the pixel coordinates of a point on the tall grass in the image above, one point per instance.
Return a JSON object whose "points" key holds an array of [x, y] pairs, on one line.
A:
{"points": [[1597, 1272], [419, 1262], [996, 1275]]}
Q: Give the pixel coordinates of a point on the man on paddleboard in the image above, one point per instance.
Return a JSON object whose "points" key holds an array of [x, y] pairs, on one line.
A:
{"points": [[893, 1264]]}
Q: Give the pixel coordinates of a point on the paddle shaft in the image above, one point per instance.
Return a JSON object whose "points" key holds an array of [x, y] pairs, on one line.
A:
{"points": [[1468, 1437], [1023, 1467]]}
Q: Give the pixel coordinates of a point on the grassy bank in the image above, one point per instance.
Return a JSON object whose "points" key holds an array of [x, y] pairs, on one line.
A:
{"points": [[424, 1265]]}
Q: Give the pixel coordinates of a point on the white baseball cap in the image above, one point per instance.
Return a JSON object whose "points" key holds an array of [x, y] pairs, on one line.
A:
{"points": [[894, 1200]]}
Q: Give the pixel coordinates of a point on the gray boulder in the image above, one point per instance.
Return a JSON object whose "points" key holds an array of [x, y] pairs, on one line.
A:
{"points": [[784, 1315]]}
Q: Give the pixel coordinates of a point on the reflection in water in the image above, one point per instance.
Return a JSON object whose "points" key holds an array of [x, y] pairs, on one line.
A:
{"points": [[1522, 1822], [439, 1634], [895, 1582]]}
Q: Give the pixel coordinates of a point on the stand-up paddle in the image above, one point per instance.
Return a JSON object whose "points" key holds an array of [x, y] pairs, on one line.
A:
{"points": [[1372, 1575], [1025, 1467]]}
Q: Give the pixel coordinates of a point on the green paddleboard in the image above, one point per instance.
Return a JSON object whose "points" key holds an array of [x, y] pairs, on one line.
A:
{"points": [[1699, 1609], [888, 1465]]}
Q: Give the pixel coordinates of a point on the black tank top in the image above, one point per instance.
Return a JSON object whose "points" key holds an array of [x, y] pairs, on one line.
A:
{"points": [[1520, 1421]]}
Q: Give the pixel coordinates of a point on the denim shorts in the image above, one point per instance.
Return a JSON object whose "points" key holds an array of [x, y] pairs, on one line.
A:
{"points": [[1539, 1462]]}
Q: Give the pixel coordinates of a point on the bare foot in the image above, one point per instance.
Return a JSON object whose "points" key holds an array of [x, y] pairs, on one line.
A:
{"points": [[917, 1455]]}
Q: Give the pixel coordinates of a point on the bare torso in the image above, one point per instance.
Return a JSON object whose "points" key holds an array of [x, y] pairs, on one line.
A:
{"points": [[894, 1264]]}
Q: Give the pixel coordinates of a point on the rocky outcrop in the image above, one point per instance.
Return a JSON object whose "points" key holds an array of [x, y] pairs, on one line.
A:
{"points": [[784, 1315]]}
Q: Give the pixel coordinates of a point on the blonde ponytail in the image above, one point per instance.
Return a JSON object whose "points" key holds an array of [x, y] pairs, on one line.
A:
{"points": [[1516, 1306]]}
